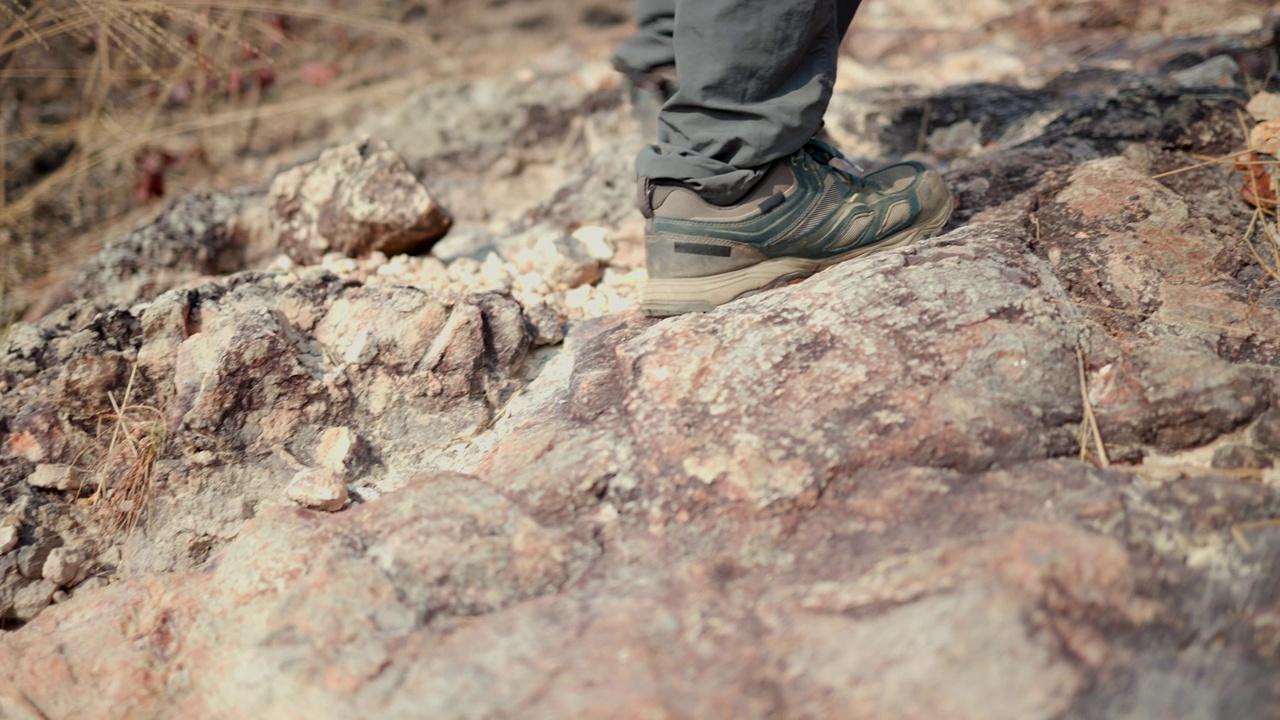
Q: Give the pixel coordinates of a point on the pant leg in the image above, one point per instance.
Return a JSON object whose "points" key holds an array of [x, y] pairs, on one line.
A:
{"points": [[652, 46], [755, 81], [845, 11]]}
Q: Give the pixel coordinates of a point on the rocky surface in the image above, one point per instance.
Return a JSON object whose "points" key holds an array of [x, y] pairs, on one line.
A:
{"points": [[197, 236], [1023, 470]]}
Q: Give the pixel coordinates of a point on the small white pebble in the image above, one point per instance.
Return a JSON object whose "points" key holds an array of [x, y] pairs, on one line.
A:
{"points": [[599, 243], [576, 298]]}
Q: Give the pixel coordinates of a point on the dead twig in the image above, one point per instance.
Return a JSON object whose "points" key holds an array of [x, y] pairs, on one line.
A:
{"points": [[1207, 163], [925, 117], [1090, 424], [1239, 529]]}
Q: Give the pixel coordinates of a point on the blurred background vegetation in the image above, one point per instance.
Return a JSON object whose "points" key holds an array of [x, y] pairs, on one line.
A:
{"points": [[106, 105], [109, 106]]}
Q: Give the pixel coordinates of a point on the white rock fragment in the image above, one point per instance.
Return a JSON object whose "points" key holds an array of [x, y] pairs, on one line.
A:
{"points": [[8, 538], [496, 274], [55, 477], [204, 458], [598, 242], [577, 298], [463, 270], [339, 264], [1264, 106], [961, 140], [530, 283], [564, 262], [338, 450], [64, 567], [318, 489]]}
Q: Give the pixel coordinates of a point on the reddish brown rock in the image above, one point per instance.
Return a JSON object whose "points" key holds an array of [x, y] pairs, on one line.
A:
{"points": [[356, 199], [465, 604], [1146, 263], [788, 388], [1241, 457], [1173, 396], [554, 471], [242, 381], [1267, 432]]}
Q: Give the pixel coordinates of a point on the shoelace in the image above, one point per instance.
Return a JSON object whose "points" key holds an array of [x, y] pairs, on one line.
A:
{"points": [[823, 154]]}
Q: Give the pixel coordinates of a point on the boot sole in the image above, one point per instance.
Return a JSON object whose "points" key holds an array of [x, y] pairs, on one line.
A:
{"points": [[676, 296]]}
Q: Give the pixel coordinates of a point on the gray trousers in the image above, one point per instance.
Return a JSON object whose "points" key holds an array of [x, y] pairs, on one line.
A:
{"points": [[755, 79]]}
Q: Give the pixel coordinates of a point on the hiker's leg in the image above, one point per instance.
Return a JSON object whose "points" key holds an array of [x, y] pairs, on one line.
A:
{"points": [[755, 81], [651, 47], [845, 12]]}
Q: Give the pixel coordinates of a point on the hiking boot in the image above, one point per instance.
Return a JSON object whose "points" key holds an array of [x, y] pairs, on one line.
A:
{"points": [[809, 212]]}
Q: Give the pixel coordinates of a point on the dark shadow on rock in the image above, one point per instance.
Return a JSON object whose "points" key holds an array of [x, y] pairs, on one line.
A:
{"points": [[1168, 119], [598, 384]]}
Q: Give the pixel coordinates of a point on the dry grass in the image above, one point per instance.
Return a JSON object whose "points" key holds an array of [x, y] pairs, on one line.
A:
{"points": [[133, 436], [96, 93]]}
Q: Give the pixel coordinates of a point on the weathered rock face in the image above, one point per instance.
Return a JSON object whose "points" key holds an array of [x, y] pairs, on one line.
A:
{"points": [[355, 200], [859, 496], [1136, 254], [447, 550], [445, 598], [230, 391], [766, 401], [197, 236], [975, 372]]}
